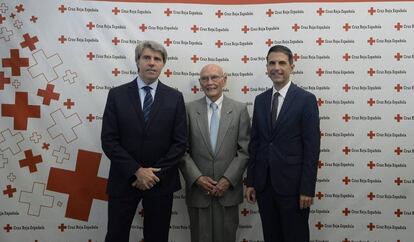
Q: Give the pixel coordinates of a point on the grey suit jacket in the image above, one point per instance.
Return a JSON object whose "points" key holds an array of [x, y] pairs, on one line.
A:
{"points": [[229, 159]]}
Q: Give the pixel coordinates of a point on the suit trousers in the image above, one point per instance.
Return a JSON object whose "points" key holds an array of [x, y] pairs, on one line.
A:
{"points": [[282, 218], [157, 216], [214, 223]]}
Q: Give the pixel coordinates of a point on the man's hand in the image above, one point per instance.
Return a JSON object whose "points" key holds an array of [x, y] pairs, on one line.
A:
{"points": [[305, 201], [250, 195], [222, 186], [207, 184], [146, 178]]}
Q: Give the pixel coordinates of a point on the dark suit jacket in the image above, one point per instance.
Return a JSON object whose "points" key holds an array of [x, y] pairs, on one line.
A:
{"points": [[130, 143], [291, 149]]}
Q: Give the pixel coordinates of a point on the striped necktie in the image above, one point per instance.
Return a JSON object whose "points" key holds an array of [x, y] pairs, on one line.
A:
{"points": [[146, 109]]}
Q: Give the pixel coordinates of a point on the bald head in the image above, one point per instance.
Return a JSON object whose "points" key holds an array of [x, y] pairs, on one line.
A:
{"points": [[212, 80]]}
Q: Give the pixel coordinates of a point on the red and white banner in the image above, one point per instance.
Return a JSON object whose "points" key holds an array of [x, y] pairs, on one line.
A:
{"points": [[60, 58]]}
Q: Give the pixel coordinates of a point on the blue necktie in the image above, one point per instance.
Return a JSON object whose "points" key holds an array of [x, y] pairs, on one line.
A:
{"points": [[214, 125], [147, 102]]}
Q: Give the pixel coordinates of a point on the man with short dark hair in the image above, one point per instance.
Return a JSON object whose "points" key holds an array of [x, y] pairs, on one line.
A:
{"points": [[144, 134], [284, 153]]}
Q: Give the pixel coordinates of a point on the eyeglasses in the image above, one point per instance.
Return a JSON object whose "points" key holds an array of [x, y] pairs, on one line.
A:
{"points": [[213, 78]]}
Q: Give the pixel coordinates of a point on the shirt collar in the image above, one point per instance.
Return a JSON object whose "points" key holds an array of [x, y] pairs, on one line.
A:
{"points": [[218, 101], [282, 91], [142, 84]]}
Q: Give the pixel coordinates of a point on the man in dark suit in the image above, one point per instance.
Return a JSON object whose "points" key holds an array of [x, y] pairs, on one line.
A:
{"points": [[144, 134], [284, 152]]}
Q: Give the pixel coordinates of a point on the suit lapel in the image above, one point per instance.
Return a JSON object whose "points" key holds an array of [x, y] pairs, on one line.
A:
{"points": [[288, 102], [202, 122], [225, 120], [133, 94]]}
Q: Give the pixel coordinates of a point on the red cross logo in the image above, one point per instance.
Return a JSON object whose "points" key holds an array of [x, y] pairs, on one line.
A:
{"points": [[398, 56], [30, 161], [167, 42], [218, 43], [195, 89], [90, 25], [15, 62], [320, 102], [370, 196], [295, 27], [320, 72], [48, 94], [21, 111], [346, 211], [371, 11], [321, 134], [371, 41], [3, 80], [69, 103], [245, 212], [245, 29], [269, 42], [2, 19], [115, 72], [90, 56], [245, 59], [320, 41], [346, 150], [29, 42], [371, 226], [90, 87], [19, 8], [346, 87], [319, 225], [346, 240], [45, 146], [346, 180], [319, 195], [346, 118], [371, 72], [115, 11], [8, 228], [62, 8], [62, 227], [245, 89], [346, 27], [167, 12], [398, 118], [320, 164], [115, 40], [398, 26], [371, 165], [320, 11], [398, 87], [219, 13], [371, 102], [346, 57], [9, 191], [143, 27], [62, 39], [295, 57], [398, 213], [195, 28], [195, 58], [371, 134], [82, 185], [33, 19], [168, 73], [90, 117], [398, 181], [269, 12]]}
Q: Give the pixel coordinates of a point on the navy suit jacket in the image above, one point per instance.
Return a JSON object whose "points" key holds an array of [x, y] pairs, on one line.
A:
{"points": [[130, 143], [289, 152]]}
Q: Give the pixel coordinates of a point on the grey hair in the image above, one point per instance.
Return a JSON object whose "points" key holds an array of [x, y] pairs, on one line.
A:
{"points": [[155, 46]]}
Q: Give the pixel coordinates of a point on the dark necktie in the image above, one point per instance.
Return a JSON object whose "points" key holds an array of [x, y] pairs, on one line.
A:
{"points": [[146, 109], [275, 104]]}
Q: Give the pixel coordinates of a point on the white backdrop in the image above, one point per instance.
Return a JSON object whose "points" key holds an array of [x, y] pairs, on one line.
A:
{"points": [[59, 59]]}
